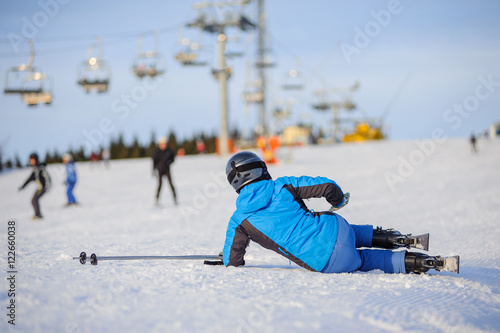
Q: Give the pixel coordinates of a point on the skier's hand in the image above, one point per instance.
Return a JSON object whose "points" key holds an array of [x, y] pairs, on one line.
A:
{"points": [[347, 195]]}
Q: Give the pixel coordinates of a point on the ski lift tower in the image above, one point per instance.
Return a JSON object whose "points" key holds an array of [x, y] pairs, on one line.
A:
{"points": [[217, 24]]}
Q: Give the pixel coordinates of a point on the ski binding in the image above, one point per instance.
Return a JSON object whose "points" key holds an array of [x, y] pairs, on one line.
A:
{"points": [[419, 242], [450, 264]]}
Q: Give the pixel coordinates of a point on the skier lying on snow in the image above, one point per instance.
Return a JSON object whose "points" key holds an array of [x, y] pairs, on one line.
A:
{"points": [[273, 214]]}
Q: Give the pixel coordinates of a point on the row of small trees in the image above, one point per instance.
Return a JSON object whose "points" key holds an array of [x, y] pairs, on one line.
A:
{"points": [[118, 149]]}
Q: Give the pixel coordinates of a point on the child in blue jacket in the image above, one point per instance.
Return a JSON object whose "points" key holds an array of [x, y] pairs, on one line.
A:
{"points": [[70, 178], [273, 214]]}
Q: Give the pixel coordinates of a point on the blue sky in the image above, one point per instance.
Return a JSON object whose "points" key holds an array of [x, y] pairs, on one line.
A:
{"points": [[447, 52]]}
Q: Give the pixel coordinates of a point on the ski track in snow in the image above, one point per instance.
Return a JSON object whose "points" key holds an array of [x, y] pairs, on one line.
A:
{"points": [[452, 194]]}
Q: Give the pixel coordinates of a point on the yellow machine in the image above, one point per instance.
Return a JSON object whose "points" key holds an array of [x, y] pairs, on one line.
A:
{"points": [[364, 132], [373, 130]]}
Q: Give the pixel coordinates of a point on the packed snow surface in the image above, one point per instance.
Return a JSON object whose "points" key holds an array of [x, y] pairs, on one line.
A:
{"points": [[439, 187]]}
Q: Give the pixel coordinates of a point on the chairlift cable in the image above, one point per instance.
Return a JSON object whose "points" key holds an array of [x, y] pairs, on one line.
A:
{"points": [[314, 73], [116, 38], [395, 97]]}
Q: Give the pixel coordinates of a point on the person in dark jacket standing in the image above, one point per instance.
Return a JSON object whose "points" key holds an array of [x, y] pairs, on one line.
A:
{"points": [[273, 214], [40, 177], [163, 157], [70, 178]]}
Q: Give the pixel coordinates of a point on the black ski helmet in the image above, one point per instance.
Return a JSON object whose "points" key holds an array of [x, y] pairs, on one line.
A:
{"points": [[34, 156], [244, 168]]}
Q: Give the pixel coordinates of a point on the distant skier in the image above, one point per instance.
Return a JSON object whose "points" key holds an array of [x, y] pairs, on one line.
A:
{"points": [[273, 214], [94, 160], [473, 143], [163, 157], [70, 178], [106, 156], [200, 146], [42, 180]]}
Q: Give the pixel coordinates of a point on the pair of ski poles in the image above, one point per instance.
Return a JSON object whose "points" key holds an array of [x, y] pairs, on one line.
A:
{"points": [[208, 259]]}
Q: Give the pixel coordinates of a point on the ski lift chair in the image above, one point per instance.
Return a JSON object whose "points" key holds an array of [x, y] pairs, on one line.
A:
{"points": [[253, 96], [13, 81], [94, 75], [16, 77], [189, 55], [31, 86], [267, 62], [228, 71], [145, 65], [33, 99], [321, 106], [293, 81], [148, 63]]}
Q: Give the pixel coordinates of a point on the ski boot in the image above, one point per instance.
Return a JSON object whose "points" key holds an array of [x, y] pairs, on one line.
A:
{"points": [[420, 263], [392, 239]]}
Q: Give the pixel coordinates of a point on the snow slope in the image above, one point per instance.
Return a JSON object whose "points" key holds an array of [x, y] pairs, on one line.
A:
{"points": [[441, 188]]}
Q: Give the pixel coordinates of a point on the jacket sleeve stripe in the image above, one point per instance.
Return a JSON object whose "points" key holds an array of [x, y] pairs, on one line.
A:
{"points": [[330, 191]]}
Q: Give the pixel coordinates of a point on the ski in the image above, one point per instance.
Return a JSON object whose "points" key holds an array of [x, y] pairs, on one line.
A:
{"points": [[450, 264], [418, 242], [94, 259]]}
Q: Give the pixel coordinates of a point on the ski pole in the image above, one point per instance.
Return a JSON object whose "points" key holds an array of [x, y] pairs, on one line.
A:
{"points": [[94, 259]]}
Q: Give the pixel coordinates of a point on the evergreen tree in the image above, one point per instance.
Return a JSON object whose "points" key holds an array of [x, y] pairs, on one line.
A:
{"points": [[72, 153], [113, 151], [80, 155], [142, 151], [210, 144], [235, 134], [48, 158], [172, 141], [152, 145], [18, 162], [189, 146], [56, 157], [135, 150], [118, 149]]}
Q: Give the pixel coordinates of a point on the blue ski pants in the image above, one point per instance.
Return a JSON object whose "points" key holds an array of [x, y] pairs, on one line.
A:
{"points": [[346, 257], [69, 192]]}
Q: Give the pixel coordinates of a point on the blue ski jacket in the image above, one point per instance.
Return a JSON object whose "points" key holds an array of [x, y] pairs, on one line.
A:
{"points": [[70, 173], [273, 214]]}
